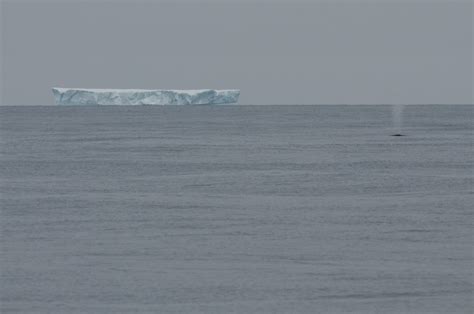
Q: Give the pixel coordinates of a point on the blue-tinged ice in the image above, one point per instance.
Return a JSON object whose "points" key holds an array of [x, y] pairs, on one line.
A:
{"points": [[82, 96]]}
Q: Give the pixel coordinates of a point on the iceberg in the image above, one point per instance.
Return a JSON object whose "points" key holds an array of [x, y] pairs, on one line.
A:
{"points": [[84, 96]]}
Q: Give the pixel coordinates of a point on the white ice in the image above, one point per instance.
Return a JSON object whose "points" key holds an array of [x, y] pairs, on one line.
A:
{"points": [[83, 96]]}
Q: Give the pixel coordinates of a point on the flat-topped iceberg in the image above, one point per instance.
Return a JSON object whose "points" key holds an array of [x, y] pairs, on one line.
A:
{"points": [[83, 96]]}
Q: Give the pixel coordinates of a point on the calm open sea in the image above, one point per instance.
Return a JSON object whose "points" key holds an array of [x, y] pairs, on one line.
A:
{"points": [[236, 209]]}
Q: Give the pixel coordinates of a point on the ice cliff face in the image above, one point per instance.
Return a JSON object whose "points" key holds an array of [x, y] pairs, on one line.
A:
{"points": [[79, 96]]}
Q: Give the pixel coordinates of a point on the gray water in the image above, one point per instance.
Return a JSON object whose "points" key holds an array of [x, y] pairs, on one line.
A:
{"points": [[236, 209]]}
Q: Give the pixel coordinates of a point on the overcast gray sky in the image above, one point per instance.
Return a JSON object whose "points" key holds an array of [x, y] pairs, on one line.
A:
{"points": [[285, 52]]}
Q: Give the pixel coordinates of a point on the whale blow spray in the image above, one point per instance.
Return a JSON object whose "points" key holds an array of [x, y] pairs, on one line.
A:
{"points": [[397, 114]]}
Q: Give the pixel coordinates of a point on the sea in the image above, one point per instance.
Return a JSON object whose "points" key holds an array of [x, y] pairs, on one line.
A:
{"points": [[237, 209]]}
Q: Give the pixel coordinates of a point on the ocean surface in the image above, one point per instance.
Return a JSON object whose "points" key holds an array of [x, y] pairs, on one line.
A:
{"points": [[236, 209]]}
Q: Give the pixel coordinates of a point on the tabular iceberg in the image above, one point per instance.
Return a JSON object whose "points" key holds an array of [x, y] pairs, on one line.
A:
{"points": [[83, 96]]}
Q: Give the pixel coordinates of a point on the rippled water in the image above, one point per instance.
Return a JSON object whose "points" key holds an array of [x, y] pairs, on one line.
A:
{"points": [[245, 209]]}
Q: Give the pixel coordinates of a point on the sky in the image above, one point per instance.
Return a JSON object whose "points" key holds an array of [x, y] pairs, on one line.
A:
{"points": [[276, 52]]}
